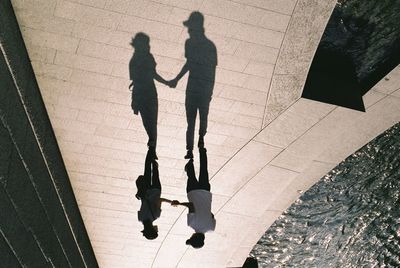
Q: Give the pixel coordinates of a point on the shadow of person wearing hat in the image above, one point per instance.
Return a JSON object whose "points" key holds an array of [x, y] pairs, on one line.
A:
{"points": [[142, 72], [201, 62]]}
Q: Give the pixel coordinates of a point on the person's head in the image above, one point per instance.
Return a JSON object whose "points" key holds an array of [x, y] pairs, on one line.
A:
{"points": [[195, 23], [140, 178], [141, 42], [196, 240], [150, 231]]}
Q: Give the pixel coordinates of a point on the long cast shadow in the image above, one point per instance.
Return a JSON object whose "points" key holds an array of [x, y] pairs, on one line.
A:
{"points": [[142, 72], [201, 62]]}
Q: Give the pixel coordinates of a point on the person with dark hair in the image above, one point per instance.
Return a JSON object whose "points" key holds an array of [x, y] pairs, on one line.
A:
{"points": [[142, 72], [149, 193], [199, 216], [201, 62]]}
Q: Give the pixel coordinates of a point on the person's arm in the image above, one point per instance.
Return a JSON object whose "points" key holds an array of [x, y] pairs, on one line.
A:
{"points": [[165, 200], [134, 104], [189, 205], [131, 74], [156, 174], [158, 78], [183, 71], [147, 166]]}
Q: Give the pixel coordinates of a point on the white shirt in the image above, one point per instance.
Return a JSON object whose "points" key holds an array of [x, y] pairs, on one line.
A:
{"points": [[201, 220]]}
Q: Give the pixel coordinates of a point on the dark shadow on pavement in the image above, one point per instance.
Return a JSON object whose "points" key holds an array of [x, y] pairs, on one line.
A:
{"points": [[142, 72], [201, 62]]}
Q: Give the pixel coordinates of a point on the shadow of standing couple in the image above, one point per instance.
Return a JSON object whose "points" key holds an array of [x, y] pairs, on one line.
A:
{"points": [[201, 62]]}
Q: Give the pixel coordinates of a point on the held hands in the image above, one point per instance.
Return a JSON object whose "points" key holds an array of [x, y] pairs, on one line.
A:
{"points": [[175, 203], [172, 83]]}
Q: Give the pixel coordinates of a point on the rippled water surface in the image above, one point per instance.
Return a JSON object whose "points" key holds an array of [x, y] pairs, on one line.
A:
{"points": [[350, 218]]}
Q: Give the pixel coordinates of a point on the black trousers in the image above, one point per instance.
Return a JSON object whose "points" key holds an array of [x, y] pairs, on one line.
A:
{"points": [[151, 174], [203, 182]]}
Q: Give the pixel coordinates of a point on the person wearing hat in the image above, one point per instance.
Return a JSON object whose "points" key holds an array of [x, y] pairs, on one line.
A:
{"points": [[142, 72], [199, 216], [201, 62], [149, 193]]}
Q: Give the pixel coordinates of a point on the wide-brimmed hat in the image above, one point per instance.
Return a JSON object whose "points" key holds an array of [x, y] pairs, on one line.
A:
{"points": [[195, 21]]}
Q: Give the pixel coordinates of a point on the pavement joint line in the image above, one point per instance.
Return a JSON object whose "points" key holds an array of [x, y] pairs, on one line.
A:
{"points": [[268, 163], [266, 143], [276, 62], [288, 169], [282, 13]]}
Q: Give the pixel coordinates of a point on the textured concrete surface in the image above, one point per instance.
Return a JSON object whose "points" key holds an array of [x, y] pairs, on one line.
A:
{"points": [[265, 145], [297, 50]]}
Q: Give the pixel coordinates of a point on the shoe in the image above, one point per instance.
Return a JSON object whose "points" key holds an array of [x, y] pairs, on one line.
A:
{"points": [[200, 144], [189, 154]]}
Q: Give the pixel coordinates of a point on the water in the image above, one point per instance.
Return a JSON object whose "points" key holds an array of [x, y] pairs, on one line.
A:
{"points": [[350, 218]]}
